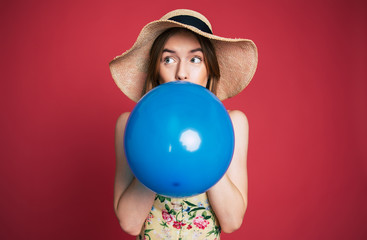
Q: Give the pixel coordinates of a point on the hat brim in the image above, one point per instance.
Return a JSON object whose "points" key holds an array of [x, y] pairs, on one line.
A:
{"points": [[237, 60]]}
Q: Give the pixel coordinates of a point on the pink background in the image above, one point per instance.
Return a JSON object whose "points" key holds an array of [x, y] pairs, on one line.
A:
{"points": [[307, 109]]}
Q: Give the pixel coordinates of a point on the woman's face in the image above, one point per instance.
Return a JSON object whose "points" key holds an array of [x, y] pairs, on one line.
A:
{"points": [[183, 59]]}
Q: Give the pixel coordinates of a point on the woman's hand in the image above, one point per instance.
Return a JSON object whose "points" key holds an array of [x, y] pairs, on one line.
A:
{"points": [[228, 198]]}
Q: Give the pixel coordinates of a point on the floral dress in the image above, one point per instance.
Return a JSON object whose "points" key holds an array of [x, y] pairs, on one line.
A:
{"points": [[181, 219]]}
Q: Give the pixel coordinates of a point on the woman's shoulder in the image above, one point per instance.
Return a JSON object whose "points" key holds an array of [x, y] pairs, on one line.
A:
{"points": [[239, 121], [123, 116], [237, 115], [122, 119]]}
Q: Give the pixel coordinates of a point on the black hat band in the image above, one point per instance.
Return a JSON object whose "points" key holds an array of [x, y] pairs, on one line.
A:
{"points": [[192, 21]]}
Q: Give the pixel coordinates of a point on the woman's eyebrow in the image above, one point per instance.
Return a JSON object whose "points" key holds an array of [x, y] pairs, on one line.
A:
{"points": [[196, 50], [168, 50], [192, 51]]}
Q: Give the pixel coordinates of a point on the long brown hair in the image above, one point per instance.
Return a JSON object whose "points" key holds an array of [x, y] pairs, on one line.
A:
{"points": [[210, 60]]}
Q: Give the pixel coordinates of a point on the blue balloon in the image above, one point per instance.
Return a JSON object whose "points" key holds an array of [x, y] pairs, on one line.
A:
{"points": [[179, 139]]}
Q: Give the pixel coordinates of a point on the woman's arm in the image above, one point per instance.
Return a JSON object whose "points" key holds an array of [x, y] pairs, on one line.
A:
{"points": [[228, 197], [132, 200]]}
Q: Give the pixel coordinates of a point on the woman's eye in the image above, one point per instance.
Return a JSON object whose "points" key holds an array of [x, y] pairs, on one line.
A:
{"points": [[168, 60], [196, 60]]}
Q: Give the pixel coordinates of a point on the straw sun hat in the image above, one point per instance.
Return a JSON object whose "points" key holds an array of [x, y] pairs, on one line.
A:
{"points": [[237, 58]]}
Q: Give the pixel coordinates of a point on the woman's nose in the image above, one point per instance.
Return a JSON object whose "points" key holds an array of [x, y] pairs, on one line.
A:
{"points": [[181, 73]]}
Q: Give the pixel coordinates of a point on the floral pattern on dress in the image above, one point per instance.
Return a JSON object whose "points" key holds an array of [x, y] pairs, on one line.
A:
{"points": [[200, 222], [181, 218]]}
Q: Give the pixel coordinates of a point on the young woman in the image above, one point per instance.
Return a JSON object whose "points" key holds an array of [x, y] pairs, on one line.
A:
{"points": [[181, 46]]}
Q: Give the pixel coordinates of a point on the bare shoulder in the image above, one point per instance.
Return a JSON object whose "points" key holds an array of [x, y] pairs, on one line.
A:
{"points": [[238, 118], [121, 120]]}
